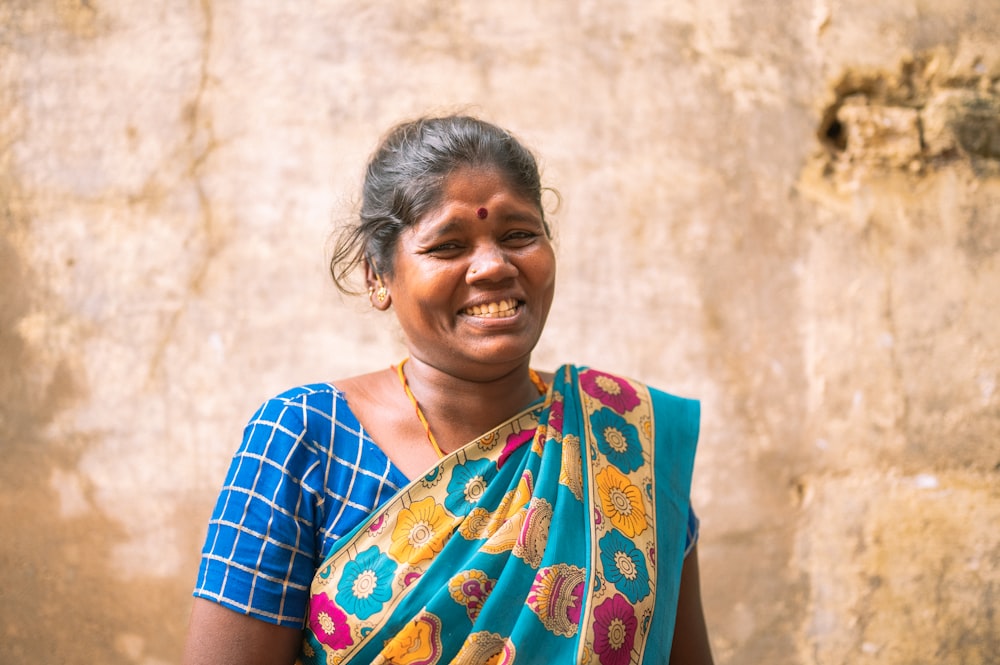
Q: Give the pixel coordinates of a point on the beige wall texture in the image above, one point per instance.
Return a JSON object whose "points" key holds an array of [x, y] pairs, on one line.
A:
{"points": [[790, 210]]}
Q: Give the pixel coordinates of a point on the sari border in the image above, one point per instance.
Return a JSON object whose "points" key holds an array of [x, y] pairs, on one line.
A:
{"points": [[599, 586]]}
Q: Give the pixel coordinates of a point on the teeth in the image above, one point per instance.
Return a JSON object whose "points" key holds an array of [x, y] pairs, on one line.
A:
{"points": [[494, 310]]}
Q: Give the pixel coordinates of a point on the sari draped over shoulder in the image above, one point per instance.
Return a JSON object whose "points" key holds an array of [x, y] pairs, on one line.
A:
{"points": [[557, 537]]}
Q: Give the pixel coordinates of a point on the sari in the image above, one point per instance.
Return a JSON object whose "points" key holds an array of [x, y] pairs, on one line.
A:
{"points": [[557, 537]]}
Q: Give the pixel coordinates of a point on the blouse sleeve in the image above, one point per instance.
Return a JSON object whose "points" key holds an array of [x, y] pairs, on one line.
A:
{"points": [[693, 525], [261, 547]]}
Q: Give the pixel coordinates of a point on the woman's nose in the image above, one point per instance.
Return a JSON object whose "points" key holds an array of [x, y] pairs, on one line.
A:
{"points": [[490, 263]]}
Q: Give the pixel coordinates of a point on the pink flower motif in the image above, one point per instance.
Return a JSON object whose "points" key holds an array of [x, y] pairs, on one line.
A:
{"points": [[556, 416], [410, 577], [574, 610], [609, 390], [329, 623], [514, 441], [377, 525], [615, 627]]}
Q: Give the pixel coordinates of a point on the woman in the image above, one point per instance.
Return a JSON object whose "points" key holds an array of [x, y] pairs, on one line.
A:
{"points": [[458, 507]]}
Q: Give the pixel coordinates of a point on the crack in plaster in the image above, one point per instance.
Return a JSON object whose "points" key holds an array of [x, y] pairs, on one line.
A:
{"points": [[901, 419], [197, 127]]}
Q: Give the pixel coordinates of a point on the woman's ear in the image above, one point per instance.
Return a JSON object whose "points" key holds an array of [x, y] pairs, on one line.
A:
{"points": [[378, 294]]}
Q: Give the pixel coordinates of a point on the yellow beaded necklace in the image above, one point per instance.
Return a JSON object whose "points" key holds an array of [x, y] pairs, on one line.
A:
{"points": [[537, 380]]}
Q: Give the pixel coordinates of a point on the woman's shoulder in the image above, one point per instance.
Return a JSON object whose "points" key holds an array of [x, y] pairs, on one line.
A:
{"points": [[308, 392], [309, 413], [320, 417], [320, 397]]}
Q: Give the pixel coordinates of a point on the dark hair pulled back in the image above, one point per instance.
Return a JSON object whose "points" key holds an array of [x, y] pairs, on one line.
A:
{"points": [[405, 178]]}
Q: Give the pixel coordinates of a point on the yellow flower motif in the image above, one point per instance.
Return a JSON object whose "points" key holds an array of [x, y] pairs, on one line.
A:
{"points": [[538, 441], [476, 525], [418, 643], [571, 471], [516, 499], [621, 502], [488, 441], [504, 537], [646, 425], [421, 532]]}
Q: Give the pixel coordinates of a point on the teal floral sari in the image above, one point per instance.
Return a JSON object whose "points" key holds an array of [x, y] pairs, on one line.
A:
{"points": [[558, 537]]}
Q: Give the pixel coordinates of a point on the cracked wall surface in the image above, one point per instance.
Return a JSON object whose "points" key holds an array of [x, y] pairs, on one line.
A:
{"points": [[789, 210]]}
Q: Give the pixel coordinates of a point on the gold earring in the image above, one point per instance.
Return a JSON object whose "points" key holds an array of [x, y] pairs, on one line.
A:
{"points": [[381, 293]]}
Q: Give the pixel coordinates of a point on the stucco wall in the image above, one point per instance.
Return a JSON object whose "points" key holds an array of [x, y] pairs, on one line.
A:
{"points": [[788, 209]]}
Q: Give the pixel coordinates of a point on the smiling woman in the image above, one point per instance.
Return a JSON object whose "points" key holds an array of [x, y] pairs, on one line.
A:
{"points": [[532, 514]]}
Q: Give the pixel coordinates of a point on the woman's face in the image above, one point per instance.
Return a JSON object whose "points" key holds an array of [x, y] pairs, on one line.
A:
{"points": [[472, 281]]}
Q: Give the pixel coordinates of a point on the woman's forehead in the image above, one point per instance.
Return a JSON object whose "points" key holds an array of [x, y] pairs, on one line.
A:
{"points": [[473, 176], [478, 205]]}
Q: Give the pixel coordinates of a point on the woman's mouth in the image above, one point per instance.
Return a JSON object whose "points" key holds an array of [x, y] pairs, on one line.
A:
{"points": [[493, 310]]}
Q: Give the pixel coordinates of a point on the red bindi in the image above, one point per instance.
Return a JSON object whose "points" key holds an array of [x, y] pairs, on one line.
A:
{"points": [[482, 213]]}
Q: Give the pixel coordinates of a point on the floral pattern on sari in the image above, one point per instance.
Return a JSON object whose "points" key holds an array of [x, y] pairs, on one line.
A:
{"points": [[610, 390], [533, 535], [470, 589], [329, 623], [624, 565], [622, 502], [623, 577], [420, 532], [467, 486], [485, 648], [615, 628], [557, 503], [419, 643], [366, 584], [571, 470], [617, 439], [557, 597]]}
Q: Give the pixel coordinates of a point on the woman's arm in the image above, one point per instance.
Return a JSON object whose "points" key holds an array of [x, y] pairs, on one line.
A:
{"points": [[220, 636], [690, 646]]}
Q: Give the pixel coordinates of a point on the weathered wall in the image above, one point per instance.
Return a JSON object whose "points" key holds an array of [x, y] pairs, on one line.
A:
{"points": [[789, 209]]}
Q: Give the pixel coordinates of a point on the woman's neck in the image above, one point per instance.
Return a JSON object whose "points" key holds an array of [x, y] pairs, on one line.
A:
{"points": [[459, 409]]}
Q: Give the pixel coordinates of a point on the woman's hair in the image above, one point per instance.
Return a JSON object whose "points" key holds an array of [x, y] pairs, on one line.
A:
{"points": [[406, 176]]}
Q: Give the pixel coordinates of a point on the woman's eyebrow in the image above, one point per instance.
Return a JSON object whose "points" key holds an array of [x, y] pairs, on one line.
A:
{"points": [[436, 230], [518, 216]]}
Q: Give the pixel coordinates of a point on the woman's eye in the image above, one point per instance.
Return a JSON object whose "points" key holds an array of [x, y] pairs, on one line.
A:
{"points": [[520, 237], [443, 247]]}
